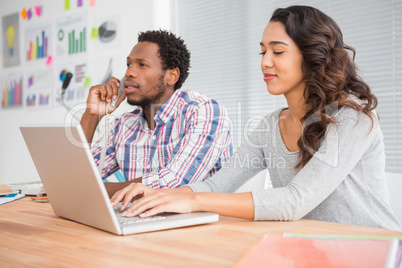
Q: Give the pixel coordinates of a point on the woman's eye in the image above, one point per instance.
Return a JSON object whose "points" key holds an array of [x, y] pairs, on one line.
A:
{"points": [[262, 53], [128, 65], [278, 53]]}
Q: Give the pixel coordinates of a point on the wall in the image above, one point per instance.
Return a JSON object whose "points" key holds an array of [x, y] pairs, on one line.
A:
{"points": [[134, 16]]}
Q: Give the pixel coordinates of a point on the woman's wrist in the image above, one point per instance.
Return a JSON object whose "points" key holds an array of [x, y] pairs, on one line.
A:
{"points": [[197, 201]]}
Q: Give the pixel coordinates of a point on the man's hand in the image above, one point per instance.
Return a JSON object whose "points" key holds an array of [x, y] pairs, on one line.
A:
{"points": [[98, 98], [100, 95], [132, 192]]}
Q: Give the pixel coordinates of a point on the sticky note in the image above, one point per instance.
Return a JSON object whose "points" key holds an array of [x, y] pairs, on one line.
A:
{"points": [[87, 82], [38, 10], [79, 3], [30, 81], [29, 14], [24, 13], [94, 33], [66, 4], [49, 60], [92, 3]]}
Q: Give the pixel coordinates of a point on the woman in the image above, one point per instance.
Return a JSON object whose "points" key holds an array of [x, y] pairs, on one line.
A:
{"points": [[324, 153]]}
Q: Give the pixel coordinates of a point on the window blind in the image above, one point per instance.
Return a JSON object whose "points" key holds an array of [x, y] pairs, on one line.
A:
{"points": [[223, 37]]}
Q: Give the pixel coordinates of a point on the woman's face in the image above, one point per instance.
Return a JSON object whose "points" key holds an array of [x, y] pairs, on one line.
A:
{"points": [[281, 61]]}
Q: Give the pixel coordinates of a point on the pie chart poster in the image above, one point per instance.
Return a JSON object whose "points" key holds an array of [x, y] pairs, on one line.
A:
{"points": [[105, 32]]}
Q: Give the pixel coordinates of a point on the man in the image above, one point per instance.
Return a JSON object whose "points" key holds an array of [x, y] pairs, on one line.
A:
{"points": [[173, 137]]}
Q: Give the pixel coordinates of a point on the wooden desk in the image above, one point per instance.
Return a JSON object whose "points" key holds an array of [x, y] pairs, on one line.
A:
{"points": [[32, 236]]}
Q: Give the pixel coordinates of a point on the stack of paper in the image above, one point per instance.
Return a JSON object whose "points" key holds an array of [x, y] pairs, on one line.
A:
{"points": [[29, 188]]}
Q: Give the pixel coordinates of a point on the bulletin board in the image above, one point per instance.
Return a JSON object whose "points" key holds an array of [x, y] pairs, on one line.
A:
{"points": [[41, 42], [38, 52]]}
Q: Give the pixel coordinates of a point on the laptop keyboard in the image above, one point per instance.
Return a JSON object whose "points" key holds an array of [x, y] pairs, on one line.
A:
{"points": [[125, 220]]}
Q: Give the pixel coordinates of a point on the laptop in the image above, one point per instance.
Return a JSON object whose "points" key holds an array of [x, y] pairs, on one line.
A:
{"points": [[69, 174]]}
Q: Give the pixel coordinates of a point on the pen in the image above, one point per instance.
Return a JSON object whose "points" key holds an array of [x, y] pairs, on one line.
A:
{"points": [[8, 195]]}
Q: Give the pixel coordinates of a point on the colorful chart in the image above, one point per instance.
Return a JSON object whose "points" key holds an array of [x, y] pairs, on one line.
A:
{"points": [[31, 100], [12, 93], [76, 92], [63, 74], [38, 91], [38, 47], [43, 100]]}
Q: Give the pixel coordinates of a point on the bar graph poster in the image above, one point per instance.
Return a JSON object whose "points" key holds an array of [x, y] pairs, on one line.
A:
{"points": [[71, 35], [11, 90], [37, 43], [76, 92], [11, 43], [39, 88]]}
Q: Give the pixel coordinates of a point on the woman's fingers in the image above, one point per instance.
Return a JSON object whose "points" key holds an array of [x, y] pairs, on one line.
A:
{"points": [[120, 195], [149, 201], [145, 203], [160, 201], [127, 194]]}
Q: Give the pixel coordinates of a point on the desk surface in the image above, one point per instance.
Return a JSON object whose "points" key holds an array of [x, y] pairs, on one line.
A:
{"points": [[31, 235]]}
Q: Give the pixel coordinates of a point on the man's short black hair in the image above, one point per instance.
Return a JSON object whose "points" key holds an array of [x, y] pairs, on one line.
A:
{"points": [[172, 52]]}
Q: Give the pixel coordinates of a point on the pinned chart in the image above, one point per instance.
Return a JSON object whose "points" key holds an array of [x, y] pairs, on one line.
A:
{"points": [[71, 35], [11, 91], [76, 92], [107, 31], [11, 42], [77, 41], [42, 100], [37, 43], [38, 92]]}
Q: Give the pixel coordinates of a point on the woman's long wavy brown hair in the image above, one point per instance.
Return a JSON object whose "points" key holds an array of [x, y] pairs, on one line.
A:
{"points": [[330, 73]]}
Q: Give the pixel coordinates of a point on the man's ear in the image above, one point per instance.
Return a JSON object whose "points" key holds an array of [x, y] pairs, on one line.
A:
{"points": [[172, 76]]}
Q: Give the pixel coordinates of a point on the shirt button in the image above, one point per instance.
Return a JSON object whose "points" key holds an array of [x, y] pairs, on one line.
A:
{"points": [[148, 166], [153, 137]]}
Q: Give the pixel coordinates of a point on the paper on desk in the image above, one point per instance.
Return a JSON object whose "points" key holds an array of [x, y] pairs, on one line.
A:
{"points": [[29, 188], [4, 200]]}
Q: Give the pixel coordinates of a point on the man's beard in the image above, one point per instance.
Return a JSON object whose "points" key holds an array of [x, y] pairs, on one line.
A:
{"points": [[147, 101]]}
